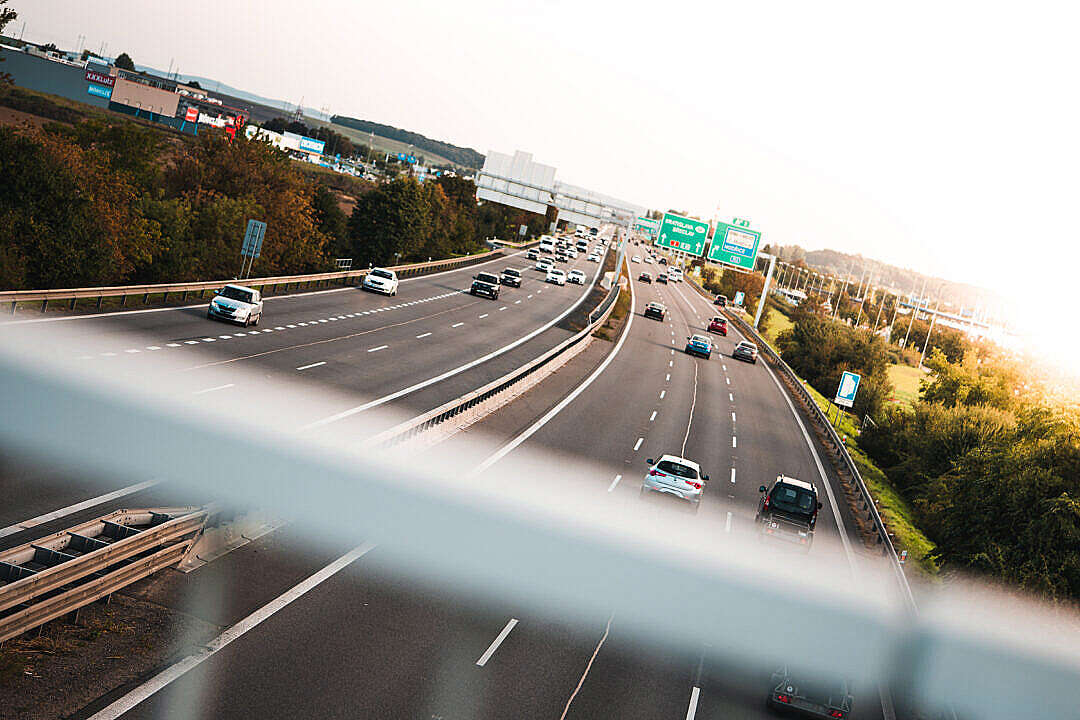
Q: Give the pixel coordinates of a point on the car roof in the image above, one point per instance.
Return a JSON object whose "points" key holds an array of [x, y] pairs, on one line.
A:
{"points": [[796, 482], [507, 270], [747, 342], [680, 460], [240, 287], [699, 338], [717, 318], [575, 270], [656, 304]]}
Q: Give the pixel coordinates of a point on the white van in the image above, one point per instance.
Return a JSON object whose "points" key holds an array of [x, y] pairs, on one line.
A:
{"points": [[675, 274]]}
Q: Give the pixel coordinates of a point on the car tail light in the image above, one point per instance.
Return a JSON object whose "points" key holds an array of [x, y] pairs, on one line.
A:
{"points": [[836, 714], [781, 697], [657, 473], [695, 485], [766, 505]]}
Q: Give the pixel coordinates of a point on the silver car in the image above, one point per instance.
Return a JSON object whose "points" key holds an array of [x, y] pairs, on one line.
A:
{"points": [[676, 476]]}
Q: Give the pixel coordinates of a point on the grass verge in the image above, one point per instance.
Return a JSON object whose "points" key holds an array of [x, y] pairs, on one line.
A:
{"points": [[898, 516], [905, 380]]}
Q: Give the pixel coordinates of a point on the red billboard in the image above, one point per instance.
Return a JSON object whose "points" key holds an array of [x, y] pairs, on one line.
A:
{"points": [[192, 114], [100, 78]]}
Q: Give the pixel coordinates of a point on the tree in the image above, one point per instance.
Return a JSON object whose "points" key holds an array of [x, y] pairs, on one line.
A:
{"points": [[6, 16], [124, 62], [195, 84]]}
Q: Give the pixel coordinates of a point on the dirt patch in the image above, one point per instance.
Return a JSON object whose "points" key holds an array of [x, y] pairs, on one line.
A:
{"points": [[18, 117], [70, 664]]}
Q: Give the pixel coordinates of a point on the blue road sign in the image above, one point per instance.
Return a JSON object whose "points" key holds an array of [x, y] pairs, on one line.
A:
{"points": [[253, 239], [739, 297], [849, 385]]}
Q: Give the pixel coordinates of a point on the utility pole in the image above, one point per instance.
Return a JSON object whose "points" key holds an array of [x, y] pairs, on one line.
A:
{"points": [[914, 312], [840, 296], [878, 318], [764, 289], [929, 332]]}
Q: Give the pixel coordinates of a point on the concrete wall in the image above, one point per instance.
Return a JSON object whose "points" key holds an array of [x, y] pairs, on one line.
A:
{"points": [[55, 78], [145, 97]]}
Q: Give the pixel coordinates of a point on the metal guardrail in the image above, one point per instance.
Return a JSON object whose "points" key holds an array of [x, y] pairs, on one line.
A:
{"points": [[833, 440], [73, 295], [447, 411], [53, 576]]}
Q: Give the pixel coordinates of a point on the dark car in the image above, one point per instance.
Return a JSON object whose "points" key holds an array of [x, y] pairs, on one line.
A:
{"points": [[718, 325], [655, 310], [645, 277], [485, 284], [807, 698], [663, 260], [699, 345], [788, 511], [720, 301], [662, 278], [511, 277], [746, 351]]}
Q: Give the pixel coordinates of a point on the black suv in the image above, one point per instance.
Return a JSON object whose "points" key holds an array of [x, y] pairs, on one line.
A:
{"points": [[485, 284], [788, 510]]}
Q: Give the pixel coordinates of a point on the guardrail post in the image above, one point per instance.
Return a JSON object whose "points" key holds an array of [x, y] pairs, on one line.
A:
{"points": [[183, 296], [99, 299], [44, 304], [165, 298], [14, 304], [123, 301], [146, 299], [72, 306]]}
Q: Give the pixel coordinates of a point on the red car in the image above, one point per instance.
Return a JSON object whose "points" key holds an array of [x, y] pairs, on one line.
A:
{"points": [[718, 325]]}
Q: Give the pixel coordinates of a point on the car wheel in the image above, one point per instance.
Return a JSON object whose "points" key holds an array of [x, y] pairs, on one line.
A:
{"points": [[209, 315], [257, 318], [246, 321]]}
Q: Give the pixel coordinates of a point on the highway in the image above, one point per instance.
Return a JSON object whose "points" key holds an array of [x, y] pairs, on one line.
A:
{"points": [[409, 353], [401, 650]]}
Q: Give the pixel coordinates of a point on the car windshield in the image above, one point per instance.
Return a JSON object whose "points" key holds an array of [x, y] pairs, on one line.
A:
{"points": [[484, 277], [235, 293], [677, 469], [510, 272], [792, 499], [700, 340], [382, 274], [718, 320]]}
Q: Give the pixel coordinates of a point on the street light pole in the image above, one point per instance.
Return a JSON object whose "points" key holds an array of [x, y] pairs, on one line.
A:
{"points": [[929, 332], [914, 312]]}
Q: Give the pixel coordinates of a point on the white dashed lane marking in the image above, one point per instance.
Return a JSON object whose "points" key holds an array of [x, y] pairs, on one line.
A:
{"points": [[483, 316], [662, 394], [219, 387], [457, 324], [614, 483], [308, 367], [653, 416], [424, 335], [734, 442], [376, 349], [732, 474], [637, 445]]}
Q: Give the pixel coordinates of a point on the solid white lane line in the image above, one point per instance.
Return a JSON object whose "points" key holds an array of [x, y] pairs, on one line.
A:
{"points": [[219, 387], [585, 674], [179, 669], [497, 642], [727, 523], [65, 511], [457, 324], [308, 367], [662, 394], [377, 349], [483, 316], [653, 416], [422, 335], [732, 474], [614, 483], [532, 429], [637, 445], [690, 421], [734, 442]]}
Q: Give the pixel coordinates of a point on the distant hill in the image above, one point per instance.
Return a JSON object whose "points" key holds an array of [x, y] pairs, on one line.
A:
{"points": [[896, 279], [465, 157]]}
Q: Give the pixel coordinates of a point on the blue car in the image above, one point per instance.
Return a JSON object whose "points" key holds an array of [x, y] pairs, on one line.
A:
{"points": [[699, 345]]}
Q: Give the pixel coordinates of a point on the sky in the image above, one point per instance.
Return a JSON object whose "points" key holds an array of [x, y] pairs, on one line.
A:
{"points": [[941, 136]]}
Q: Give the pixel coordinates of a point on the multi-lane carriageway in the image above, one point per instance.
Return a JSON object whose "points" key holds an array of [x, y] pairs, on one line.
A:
{"points": [[411, 352], [396, 650]]}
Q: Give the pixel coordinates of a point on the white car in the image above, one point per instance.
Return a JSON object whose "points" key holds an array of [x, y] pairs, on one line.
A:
{"points": [[544, 264], [594, 258], [677, 476], [636, 258], [576, 276], [571, 252], [556, 276], [381, 280], [675, 274], [648, 258], [236, 303]]}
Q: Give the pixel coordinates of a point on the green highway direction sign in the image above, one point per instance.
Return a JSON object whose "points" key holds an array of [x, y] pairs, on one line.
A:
{"points": [[735, 245], [683, 234], [647, 226]]}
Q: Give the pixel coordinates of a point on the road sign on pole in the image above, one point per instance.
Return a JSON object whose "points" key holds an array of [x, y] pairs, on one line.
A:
{"points": [[648, 226], [849, 385], [735, 245], [253, 239], [522, 229], [683, 234]]}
